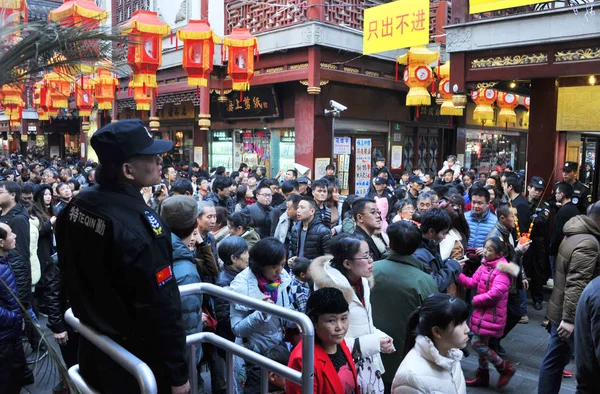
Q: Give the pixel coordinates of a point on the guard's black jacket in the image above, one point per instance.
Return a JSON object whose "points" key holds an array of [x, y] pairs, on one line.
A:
{"points": [[115, 258]]}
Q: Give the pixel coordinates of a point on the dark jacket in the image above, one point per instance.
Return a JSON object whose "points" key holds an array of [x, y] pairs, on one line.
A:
{"points": [[333, 180], [401, 285], [18, 220], [45, 244], [115, 256], [275, 215], [56, 300], [222, 311], [587, 339], [318, 237], [523, 215], [576, 266], [227, 202], [262, 218], [22, 273], [10, 311], [443, 272], [565, 213], [373, 249]]}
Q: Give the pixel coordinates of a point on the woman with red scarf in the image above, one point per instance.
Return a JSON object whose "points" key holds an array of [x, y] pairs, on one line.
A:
{"points": [[264, 279]]}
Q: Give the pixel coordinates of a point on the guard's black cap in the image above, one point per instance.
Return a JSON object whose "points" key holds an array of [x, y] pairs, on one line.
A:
{"points": [[118, 141], [570, 166], [538, 182], [302, 180]]}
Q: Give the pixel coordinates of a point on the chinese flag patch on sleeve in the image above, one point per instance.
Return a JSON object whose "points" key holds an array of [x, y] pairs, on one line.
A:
{"points": [[164, 275]]}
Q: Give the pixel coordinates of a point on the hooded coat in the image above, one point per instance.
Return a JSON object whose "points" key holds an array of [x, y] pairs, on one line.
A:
{"points": [[576, 266], [360, 316], [443, 273], [492, 281], [425, 370]]}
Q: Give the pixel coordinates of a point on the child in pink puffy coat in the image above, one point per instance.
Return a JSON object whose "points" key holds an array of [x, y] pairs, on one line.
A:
{"points": [[492, 281]]}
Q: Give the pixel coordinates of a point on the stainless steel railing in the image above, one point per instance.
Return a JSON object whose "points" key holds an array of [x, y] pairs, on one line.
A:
{"points": [[304, 379], [146, 378], [140, 370]]}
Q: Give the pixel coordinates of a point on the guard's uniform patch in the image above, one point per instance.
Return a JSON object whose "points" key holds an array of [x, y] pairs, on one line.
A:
{"points": [[164, 276], [154, 223], [83, 217], [575, 200]]}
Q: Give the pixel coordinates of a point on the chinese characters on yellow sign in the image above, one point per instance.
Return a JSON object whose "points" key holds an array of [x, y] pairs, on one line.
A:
{"points": [[477, 6], [246, 104], [400, 24]]}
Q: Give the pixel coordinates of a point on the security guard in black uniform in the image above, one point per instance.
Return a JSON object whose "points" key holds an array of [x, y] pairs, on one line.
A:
{"points": [[115, 255], [581, 193], [535, 259]]}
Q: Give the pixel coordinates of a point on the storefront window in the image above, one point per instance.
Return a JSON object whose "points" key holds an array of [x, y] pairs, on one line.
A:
{"points": [[72, 145], [256, 148], [287, 151], [487, 150], [183, 145], [221, 150]]}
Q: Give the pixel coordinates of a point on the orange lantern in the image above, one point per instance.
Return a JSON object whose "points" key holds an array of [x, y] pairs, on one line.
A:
{"points": [[417, 74], [144, 56], [198, 51], [105, 85], [241, 47], [142, 97], [40, 96], [507, 103], [484, 99], [59, 88], [78, 13], [84, 96], [11, 98], [447, 107], [11, 12]]}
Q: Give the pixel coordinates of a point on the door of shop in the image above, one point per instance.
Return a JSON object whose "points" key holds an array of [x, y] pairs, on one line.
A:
{"points": [[588, 164]]}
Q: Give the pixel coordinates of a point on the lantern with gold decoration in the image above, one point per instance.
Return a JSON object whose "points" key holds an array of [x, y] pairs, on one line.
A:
{"points": [[84, 96], [11, 12], [198, 51], [447, 107], [417, 74], [59, 88], [105, 85], [144, 54], [11, 98], [241, 46], [40, 95], [484, 99], [507, 103]]}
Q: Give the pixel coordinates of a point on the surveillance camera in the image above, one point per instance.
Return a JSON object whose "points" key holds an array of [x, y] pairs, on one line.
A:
{"points": [[337, 106]]}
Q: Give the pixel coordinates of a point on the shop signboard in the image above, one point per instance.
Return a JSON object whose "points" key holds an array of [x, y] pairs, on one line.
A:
{"points": [[342, 146], [399, 24], [477, 6], [362, 166], [257, 103]]}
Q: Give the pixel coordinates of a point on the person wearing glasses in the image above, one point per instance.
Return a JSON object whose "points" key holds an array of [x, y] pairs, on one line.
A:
{"points": [[368, 220], [350, 269], [261, 211]]}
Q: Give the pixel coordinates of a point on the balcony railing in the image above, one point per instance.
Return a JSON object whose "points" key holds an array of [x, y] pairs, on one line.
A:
{"points": [[461, 10], [269, 15]]}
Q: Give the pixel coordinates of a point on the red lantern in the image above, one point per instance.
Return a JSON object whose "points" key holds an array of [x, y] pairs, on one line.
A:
{"points": [[59, 88], [484, 98], [84, 97], [11, 97], [507, 103], [15, 116], [40, 95], [241, 47], [11, 12], [198, 51], [78, 13], [145, 55], [105, 85]]}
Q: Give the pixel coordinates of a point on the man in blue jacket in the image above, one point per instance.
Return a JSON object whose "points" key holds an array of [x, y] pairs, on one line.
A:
{"points": [[480, 219]]}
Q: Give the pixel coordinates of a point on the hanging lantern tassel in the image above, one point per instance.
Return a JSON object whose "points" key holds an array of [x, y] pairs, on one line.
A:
{"points": [[197, 91], [417, 111], [144, 88], [451, 120], [240, 96], [176, 42]]}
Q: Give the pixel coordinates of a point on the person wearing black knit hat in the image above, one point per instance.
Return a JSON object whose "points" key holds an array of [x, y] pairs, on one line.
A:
{"points": [[334, 368]]}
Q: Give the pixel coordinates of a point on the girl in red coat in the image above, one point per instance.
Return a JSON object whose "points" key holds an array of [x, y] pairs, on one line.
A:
{"points": [[334, 369], [492, 281]]}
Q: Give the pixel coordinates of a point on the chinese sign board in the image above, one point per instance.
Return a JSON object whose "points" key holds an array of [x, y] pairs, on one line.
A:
{"points": [[477, 6], [363, 166], [399, 24], [258, 102], [342, 146]]}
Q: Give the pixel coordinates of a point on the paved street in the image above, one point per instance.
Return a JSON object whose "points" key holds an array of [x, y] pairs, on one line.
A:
{"points": [[526, 347]]}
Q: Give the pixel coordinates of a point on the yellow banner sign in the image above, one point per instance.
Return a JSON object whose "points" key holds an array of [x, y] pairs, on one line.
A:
{"points": [[477, 6], [400, 24]]}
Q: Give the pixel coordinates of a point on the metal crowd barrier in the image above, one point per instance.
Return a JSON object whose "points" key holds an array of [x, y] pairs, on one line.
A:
{"points": [[304, 379], [140, 370], [146, 378]]}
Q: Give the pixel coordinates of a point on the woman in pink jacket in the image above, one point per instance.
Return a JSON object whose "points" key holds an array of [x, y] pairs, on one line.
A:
{"points": [[492, 281]]}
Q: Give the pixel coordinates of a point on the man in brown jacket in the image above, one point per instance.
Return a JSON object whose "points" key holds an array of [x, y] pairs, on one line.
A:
{"points": [[576, 266]]}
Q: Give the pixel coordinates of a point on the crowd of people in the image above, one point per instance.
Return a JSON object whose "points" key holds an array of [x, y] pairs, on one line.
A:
{"points": [[397, 283]]}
